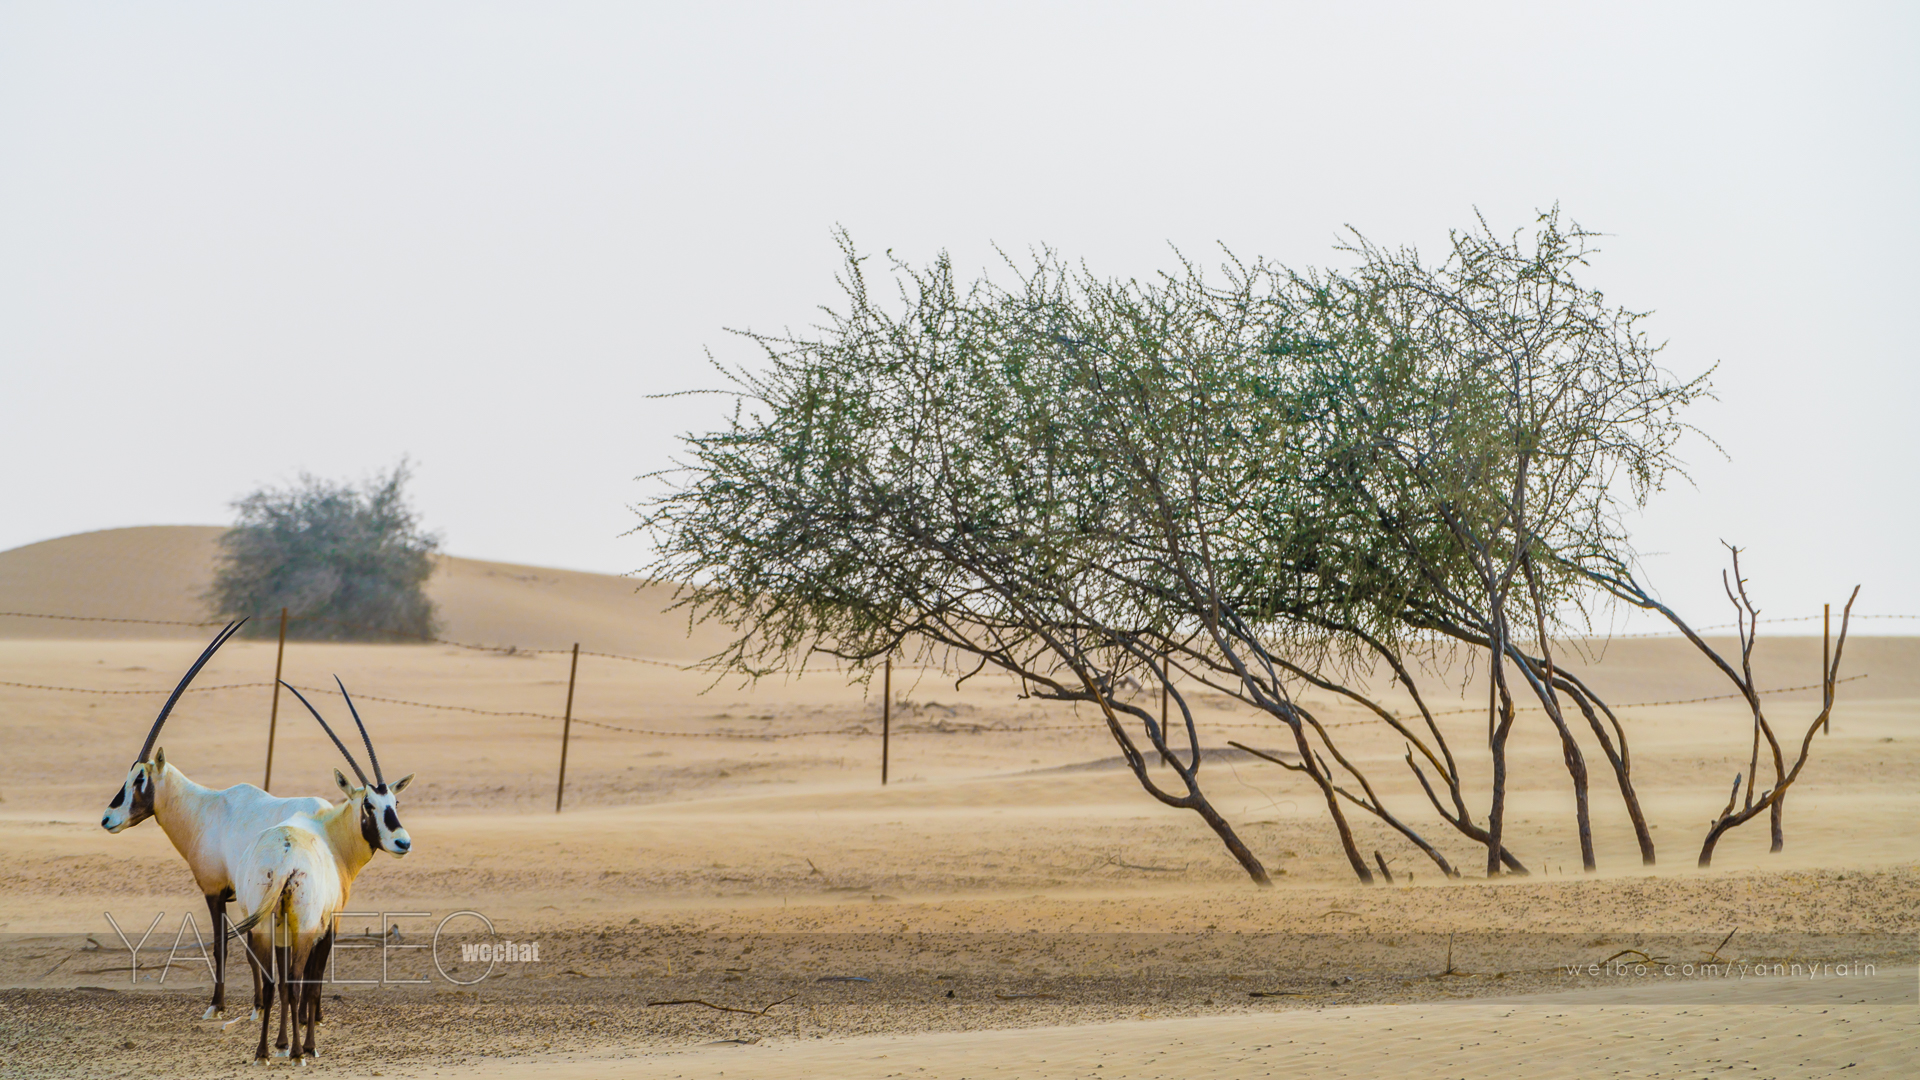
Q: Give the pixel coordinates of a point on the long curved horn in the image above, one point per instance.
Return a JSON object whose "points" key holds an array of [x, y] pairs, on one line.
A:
{"points": [[330, 734], [371, 756], [218, 640]]}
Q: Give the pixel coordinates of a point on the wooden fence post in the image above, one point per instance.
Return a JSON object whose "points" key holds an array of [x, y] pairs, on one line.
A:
{"points": [[566, 730], [1826, 664], [273, 717]]}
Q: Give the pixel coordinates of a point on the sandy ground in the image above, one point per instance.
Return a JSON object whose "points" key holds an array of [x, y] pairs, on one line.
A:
{"points": [[1011, 904]]}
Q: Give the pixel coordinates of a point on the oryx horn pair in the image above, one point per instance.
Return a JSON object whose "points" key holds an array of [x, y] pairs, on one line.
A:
{"points": [[379, 782], [146, 750]]}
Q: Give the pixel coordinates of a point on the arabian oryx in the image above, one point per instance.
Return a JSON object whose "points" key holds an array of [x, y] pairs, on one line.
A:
{"points": [[295, 878], [210, 829]]}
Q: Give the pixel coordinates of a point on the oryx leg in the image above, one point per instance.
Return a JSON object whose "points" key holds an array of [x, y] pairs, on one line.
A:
{"points": [[321, 952], [217, 913], [266, 1015], [226, 953], [256, 966], [261, 988], [316, 972], [288, 985], [300, 992]]}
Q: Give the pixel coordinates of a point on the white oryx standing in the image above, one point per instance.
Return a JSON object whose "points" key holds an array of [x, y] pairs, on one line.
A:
{"points": [[291, 881], [297, 875], [210, 829]]}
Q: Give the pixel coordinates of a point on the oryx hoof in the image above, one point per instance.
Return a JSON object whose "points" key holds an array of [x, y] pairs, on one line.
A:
{"points": [[213, 1013]]}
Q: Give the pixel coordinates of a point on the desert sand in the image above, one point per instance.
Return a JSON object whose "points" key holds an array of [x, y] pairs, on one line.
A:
{"points": [[1010, 904]]}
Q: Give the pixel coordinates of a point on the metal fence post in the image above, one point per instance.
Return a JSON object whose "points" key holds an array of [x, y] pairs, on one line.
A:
{"points": [[273, 717], [566, 730]]}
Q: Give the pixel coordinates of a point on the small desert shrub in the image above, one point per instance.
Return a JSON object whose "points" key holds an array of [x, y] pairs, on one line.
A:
{"points": [[349, 563]]}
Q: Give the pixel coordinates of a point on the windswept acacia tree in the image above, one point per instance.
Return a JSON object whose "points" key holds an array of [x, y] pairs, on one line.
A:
{"points": [[1254, 483]]}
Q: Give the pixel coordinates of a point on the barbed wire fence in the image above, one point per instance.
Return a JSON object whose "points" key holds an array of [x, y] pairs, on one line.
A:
{"points": [[850, 730]]}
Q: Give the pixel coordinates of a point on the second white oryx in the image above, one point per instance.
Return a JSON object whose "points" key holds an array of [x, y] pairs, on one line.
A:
{"points": [[211, 829], [298, 875]]}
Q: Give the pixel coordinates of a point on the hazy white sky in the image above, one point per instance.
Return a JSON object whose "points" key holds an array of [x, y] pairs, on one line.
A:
{"points": [[241, 241]]}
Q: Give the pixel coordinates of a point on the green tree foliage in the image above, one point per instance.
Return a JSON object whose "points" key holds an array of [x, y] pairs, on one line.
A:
{"points": [[1248, 483], [349, 563]]}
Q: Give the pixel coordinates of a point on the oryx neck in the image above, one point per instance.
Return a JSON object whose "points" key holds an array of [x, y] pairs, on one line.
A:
{"points": [[179, 801], [188, 813], [342, 824]]}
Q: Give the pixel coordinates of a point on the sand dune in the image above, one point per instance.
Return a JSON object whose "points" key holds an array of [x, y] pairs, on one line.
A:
{"points": [[157, 572], [162, 572]]}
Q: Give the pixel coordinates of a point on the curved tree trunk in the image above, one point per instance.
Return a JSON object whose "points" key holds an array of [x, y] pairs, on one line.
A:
{"points": [[1319, 775]]}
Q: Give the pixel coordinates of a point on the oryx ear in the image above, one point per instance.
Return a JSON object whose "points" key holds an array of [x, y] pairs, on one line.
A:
{"points": [[160, 758], [402, 784], [341, 779]]}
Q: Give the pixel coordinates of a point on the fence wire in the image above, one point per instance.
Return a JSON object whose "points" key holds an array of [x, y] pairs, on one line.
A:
{"points": [[909, 727], [847, 730], [102, 618], [425, 639]]}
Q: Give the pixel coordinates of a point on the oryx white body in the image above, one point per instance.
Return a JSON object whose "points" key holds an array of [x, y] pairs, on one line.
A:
{"points": [[291, 876], [212, 829], [291, 881], [295, 876]]}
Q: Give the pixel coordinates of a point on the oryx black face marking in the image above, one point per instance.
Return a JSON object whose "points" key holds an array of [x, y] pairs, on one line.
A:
{"points": [[136, 796], [393, 820]]}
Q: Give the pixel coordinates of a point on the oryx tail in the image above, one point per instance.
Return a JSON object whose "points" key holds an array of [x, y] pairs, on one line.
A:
{"points": [[270, 901]]}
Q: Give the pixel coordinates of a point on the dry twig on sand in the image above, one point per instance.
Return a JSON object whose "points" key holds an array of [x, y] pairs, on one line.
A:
{"points": [[1124, 865], [762, 1011], [1451, 971]]}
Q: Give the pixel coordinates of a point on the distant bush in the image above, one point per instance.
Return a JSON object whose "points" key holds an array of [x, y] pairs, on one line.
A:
{"points": [[348, 563]]}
